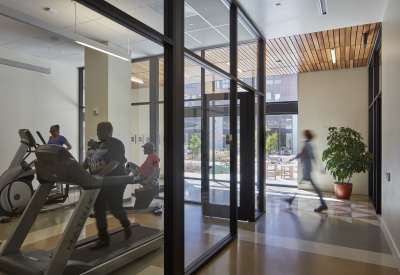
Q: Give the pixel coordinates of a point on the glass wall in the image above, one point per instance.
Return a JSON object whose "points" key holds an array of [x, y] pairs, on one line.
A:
{"points": [[197, 122], [206, 161], [207, 26]]}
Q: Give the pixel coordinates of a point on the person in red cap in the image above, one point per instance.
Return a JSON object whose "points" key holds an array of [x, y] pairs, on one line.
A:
{"points": [[151, 163]]}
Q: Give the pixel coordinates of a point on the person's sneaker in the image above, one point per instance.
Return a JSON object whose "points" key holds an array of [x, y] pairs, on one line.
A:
{"points": [[100, 244], [128, 232], [321, 208], [127, 228], [289, 200]]}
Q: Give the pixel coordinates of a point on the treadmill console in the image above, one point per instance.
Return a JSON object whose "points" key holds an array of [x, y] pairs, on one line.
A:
{"points": [[55, 164]]}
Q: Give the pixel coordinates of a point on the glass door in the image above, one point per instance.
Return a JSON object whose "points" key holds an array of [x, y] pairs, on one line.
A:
{"points": [[215, 162], [215, 155]]}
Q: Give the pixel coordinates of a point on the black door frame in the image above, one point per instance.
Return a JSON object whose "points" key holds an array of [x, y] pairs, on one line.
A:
{"points": [[246, 113], [375, 125]]}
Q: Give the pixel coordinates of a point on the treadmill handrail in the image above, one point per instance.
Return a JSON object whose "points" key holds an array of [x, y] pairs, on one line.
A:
{"points": [[55, 164]]}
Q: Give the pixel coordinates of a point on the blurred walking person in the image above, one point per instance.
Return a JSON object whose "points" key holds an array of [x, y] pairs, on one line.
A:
{"points": [[307, 156]]}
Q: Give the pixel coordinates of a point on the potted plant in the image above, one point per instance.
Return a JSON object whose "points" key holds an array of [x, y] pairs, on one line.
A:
{"points": [[345, 155]]}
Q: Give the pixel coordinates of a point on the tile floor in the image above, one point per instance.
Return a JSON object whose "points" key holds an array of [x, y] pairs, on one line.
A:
{"points": [[346, 239]]}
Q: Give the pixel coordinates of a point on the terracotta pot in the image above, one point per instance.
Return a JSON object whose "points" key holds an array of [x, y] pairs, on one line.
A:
{"points": [[343, 191]]}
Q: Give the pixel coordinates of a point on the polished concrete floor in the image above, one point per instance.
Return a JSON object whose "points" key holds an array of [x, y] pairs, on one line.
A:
{"points": [[346, 239]]}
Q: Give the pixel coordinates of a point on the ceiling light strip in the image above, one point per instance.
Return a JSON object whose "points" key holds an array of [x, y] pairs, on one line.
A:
{"points": [[100, 50], [25, 66], [333, 55], [138, 80], [30, 20]]}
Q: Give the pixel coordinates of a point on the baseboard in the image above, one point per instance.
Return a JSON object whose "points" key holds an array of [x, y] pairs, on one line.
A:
{"points": [[389, 240]]}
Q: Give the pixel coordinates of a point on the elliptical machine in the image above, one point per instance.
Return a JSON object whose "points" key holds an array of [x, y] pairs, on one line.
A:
{"points": [[16, 182]]}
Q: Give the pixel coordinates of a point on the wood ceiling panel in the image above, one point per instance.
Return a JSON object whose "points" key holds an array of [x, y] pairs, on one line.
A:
{"points": [[342, 37], [286, 55]]}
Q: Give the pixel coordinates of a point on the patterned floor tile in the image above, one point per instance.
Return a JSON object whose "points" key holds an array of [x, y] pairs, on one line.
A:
{"points": [[357, 210]]}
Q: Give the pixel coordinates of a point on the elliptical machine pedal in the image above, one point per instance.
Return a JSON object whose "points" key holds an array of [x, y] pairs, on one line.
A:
{"points": [[5, 219]]}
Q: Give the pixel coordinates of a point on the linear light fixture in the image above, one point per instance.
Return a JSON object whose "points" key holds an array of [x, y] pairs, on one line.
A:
{"points": [[135, 79], [100, 50], [322, 7], [30, 20], [333, 55]]}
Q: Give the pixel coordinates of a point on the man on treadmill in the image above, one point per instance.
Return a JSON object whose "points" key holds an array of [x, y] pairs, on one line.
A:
{"points": [[151, 163], [106, 158]]}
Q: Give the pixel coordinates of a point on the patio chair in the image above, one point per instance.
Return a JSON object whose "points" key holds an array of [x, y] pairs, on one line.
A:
{"points": [[271, 170]]}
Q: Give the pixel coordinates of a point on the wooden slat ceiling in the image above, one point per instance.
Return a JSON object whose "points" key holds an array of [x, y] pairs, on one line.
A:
{"points": [[287, 55]]}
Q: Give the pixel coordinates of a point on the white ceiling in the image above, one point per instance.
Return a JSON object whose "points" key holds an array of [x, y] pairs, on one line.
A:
{"points": [[294, 17], [206, 24]]}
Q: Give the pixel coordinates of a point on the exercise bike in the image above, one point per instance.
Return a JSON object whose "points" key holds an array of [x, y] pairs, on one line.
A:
{"points": [[150, 188], [16, 187]]}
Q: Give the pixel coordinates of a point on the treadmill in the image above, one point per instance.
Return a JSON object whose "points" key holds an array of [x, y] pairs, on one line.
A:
{"points": [[70, 257]]}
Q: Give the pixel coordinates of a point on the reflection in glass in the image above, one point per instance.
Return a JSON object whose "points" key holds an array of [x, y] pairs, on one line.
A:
{"points": [[140, 81], [206, 24], [282, 88], [207, 166]]}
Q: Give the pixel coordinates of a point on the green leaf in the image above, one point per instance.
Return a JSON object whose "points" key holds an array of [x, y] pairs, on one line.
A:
{"points": [[346, 153]]}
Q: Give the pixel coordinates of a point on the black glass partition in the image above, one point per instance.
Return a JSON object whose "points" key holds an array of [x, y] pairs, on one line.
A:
{"points": [[173, 102]]}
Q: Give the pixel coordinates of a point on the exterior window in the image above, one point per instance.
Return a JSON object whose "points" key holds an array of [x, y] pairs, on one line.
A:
{"points": [[282, 88], [223, 84]]}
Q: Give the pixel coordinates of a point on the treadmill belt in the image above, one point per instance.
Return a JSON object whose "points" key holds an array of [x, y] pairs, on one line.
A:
{"points": [[118, 245]]}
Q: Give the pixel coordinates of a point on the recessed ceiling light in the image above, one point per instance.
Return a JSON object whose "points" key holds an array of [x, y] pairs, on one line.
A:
{"points": [[191, 24], [278, 4]]}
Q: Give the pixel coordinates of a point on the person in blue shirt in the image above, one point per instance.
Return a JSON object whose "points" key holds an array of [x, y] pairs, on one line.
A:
{"points": [[60, 140], [307, 156]]}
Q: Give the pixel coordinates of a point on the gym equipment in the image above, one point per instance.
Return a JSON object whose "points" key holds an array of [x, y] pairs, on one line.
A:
{"points": [[144, 196], [16, 182], [70, 256]]}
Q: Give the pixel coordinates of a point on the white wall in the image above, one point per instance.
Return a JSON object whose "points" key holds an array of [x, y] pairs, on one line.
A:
{"points": [[36, 101], [333, 98], [390, 126]]}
